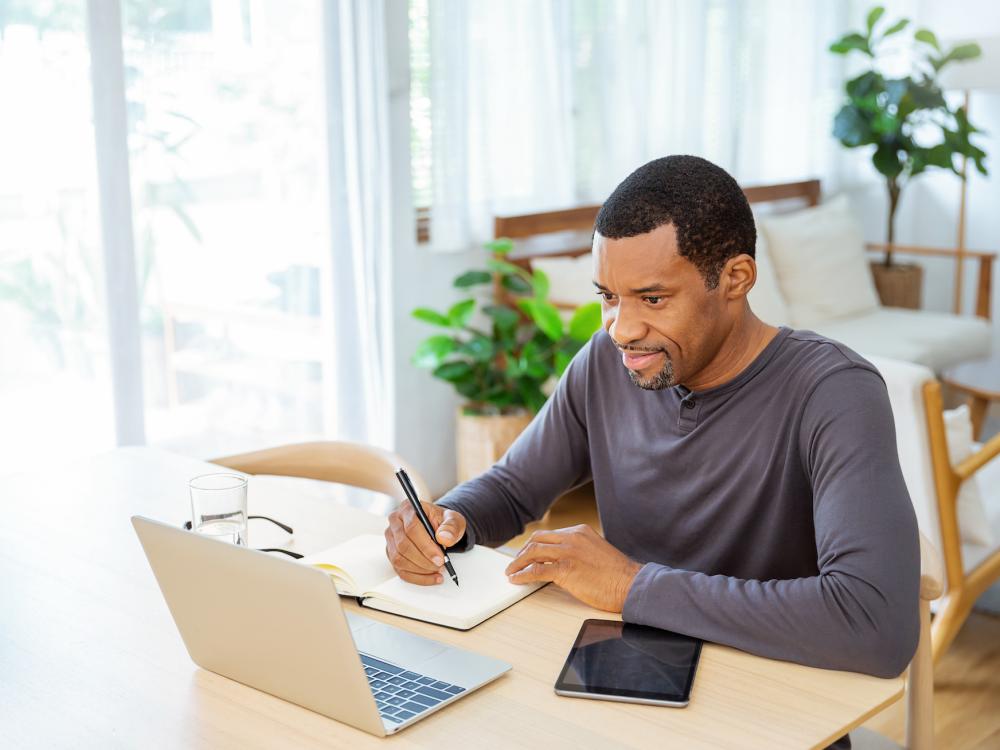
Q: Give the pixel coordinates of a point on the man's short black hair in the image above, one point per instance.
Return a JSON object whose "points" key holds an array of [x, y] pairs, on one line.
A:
{"points": [[708, 209]]}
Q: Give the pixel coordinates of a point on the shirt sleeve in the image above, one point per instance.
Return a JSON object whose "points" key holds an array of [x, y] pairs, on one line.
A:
{"points": [[860, 612], [546, 460]]}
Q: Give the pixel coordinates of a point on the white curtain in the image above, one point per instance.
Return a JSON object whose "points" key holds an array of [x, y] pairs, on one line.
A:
{"points": [[537, 105], [501, 113], [358, 280]]}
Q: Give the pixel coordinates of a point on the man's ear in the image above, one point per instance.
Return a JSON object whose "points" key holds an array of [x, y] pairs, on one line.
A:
{"points": [[738, 275]]}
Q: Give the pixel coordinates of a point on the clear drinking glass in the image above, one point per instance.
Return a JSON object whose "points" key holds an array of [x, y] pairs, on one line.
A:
{"points": [[219, 506]]}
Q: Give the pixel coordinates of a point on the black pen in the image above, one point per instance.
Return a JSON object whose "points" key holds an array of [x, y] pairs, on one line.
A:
{"points": [[411, 495]]}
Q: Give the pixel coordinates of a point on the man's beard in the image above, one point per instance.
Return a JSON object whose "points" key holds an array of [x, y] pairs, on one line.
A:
{"points": [[663, 379]]}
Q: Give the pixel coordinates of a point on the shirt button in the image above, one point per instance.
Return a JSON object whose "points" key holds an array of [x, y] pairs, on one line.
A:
{"points": [[688, 404]]}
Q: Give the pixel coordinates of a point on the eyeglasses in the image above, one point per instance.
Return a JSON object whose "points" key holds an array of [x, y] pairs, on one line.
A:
{"points": [[284, 527]]}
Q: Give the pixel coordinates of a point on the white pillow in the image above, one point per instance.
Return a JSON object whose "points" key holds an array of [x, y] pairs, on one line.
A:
{"points": [[819, 257], [765, 298], [571, 280], [973, 523]]}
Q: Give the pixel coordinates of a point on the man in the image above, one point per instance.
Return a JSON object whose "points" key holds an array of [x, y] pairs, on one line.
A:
{"points": [[746, 476]]}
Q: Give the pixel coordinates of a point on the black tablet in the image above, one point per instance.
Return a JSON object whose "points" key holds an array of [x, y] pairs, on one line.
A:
{"points": [[616, 661]]}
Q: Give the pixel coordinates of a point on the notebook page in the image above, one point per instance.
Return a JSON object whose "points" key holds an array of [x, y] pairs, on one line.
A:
{"points": [[484, 591], [357, 565]]}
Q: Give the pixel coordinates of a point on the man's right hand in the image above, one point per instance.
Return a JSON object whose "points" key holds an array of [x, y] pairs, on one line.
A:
{"points": [[414, 557]]}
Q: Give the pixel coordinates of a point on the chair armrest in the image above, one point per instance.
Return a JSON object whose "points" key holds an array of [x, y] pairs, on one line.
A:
{"points": [[944, 252], [332, 461], [931, 571], [980, 458], [984, 286]]}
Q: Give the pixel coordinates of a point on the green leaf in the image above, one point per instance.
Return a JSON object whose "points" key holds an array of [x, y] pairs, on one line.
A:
{"points": [[504, 317], [540, 284], [927, 37], [886, 160], [545, 316], [430, 316], [850, 42], [431, 352], [864, 85], [480, 348], [515, 284], [500, 246], [896, 27], [852, 128], [873, 15], [472, 278], [502, 266], [460, 312], [961, 52], [562, 362], [453, 371], [926, 95], [531, 394], [585, 322]]}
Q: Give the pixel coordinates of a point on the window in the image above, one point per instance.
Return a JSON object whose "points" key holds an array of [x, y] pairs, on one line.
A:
{"points": [[226, 145], [53, 340]]}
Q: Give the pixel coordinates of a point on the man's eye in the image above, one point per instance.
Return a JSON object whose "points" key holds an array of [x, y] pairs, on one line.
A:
{"points": [[652, 300], [608, 296]]}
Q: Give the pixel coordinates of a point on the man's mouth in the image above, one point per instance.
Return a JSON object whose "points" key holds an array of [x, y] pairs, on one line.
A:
{"points": [[638, 360]]}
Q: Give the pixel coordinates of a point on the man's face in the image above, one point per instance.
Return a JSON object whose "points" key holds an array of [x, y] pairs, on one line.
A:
{"points": [[656, 308]]}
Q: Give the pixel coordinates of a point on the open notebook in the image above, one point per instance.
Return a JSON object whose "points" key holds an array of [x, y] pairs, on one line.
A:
{"points": [[360, 568]]}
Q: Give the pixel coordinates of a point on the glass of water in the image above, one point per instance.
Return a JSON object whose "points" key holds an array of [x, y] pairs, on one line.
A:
{"points": [[219, 506]]}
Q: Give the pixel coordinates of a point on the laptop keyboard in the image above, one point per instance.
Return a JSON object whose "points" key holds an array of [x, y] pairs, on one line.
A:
{"points": [[400, 694]]}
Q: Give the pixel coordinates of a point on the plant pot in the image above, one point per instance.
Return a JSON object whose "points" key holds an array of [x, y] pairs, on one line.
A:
{"points": [[899, 285], [482, 439]]}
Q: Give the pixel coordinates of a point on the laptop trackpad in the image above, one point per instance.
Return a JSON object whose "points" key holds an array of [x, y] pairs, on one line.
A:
{"points": [[395, 645]]}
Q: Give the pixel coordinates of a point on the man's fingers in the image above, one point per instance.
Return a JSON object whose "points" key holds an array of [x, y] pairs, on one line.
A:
{"points": [[451, 528], [555, 536], [535, 572], [421, 579], [415, 555], [535, 552], [420, 539]]}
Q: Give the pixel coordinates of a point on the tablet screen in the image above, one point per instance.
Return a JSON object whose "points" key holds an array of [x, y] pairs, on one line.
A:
{"points": [[630, 661]]}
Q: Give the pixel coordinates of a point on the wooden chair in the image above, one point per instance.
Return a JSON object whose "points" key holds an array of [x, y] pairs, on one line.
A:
{"points": [[920, 676], [345, 463], [933, 484], [966, 579]]}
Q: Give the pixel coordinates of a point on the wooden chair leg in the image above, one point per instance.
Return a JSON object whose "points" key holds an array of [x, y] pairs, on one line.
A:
{"points": [[920, 689], [955, 607]]}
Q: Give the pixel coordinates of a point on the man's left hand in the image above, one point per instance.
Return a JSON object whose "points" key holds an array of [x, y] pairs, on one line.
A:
{"points": [[579, 560]]}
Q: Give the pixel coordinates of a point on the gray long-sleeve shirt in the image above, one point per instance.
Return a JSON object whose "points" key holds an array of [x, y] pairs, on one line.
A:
{"points": [[769, 512]]}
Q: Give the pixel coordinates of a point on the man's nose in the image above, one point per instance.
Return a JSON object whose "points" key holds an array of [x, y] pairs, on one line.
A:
{"points": [[626, 326]]}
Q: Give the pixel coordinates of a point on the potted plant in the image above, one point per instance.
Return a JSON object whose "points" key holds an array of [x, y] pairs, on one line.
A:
{"points": [[503, 359], [910, 125]]}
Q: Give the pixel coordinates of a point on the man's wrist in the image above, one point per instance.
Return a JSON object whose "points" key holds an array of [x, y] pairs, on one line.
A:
{"points": [[625, 582]]}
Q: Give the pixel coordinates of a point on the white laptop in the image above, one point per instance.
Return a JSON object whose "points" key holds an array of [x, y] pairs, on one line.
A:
{"points": [[278, 626]]}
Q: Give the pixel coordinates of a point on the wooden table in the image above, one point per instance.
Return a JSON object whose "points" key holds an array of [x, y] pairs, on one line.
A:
{"points": [[89, 656]]}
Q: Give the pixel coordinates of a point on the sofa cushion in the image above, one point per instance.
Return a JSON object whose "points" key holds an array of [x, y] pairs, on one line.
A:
{"points": [[819, 257], [973, 524], [765, 298], [571, 280], [988, 481], [937, 340]]}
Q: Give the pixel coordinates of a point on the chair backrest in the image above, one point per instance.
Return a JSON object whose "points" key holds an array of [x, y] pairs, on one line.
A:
{"points": [[904, 382], [556, 240], [353, 464]]}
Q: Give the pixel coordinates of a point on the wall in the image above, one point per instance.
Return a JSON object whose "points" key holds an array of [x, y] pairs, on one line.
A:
{"points": [[425, 407]]}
